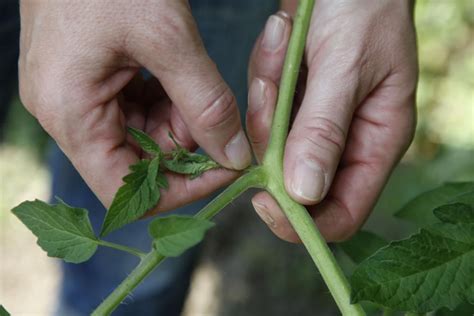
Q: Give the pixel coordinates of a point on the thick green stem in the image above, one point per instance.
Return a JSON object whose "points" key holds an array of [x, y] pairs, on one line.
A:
{"points": [[273, 164], [146, 266], [291, 68], [318, 250], [133, 251], [252, 179]]}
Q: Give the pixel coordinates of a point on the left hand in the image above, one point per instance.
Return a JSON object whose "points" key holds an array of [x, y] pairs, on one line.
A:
{"points": [[354, 110]]}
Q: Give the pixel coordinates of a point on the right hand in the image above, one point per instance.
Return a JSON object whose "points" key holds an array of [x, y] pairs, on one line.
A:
{"points": [[79, 76]]}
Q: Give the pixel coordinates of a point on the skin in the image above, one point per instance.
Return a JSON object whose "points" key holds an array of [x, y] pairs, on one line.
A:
{"points": [[354, 111], [79, 75]]}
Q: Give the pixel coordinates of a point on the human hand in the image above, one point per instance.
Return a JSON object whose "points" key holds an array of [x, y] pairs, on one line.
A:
{"points": [[79, 75], [354, 113]]}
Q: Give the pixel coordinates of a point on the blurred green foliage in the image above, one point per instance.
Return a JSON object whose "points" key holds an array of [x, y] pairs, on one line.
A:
{"points": [[446, 87]]}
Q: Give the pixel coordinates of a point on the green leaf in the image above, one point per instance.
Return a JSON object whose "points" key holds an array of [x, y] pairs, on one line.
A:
{"points": [[161, 180], [455, 213], [145, 141], [139, 194], [3, 311], [175, 234], [184, 162], [63, 231], [362, 245], [419, 210], [189, 165], [429, 270]]}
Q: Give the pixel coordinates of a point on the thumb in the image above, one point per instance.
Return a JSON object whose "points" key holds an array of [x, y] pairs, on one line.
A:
{"points": [[176, 55]]}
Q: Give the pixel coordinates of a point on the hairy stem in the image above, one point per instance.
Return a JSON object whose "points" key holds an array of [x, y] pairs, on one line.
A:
{"points": [[273, 164], [133, 251], [253, 178], [291, 69], [318, 250]]}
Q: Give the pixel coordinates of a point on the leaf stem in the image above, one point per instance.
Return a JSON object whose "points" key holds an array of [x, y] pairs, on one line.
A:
{"points": [[254, 178], [144, 268], [133, 251]]}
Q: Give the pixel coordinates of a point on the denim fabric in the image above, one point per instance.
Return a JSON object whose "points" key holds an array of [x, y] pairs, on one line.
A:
{"points": [[228, 28], [9, 38]]}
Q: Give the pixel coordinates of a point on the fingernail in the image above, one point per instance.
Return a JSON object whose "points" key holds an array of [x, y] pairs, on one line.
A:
{"points": [[256, 95], [274, 31], [308, 180], [263, 213], [237, 151], [284, 14]]}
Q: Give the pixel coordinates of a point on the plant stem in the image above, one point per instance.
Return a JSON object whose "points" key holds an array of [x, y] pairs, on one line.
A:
{"points": [[133, 251], [273, 165], [291, 68], [144, 268], [318, 250], [254, 178]]}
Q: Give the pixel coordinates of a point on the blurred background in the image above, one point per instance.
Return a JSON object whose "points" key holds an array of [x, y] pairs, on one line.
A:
{"points": [[244, 269]]}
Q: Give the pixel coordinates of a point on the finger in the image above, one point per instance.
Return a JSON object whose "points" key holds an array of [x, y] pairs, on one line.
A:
{"points": [[269, 52], [375, 144], [182, 190], [336, 84], [195, 86], [264, 75], [270, 212], [261, 105], [381, 132]]}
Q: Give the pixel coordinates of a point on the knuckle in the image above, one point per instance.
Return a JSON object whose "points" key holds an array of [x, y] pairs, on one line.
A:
{"points": [[322, 133], [219, 111]]}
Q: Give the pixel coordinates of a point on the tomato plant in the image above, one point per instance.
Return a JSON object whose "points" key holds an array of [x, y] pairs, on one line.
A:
{"points": [[429, 270]]}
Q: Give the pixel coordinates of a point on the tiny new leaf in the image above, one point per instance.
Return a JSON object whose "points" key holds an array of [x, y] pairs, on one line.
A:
{"points": [[63, 231], [145, 141], [362, 245], [184, 162], [172, 235], [419, 210], [428, 271], [139, 194]]}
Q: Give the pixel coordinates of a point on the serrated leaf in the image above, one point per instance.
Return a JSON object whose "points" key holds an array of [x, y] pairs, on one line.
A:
{"points": [[161, 180], [139, 194], [63, 231], [455, 213], [190, 167], [3, 311], [184, 162], [362, 245], [146, 142], [175, 234], [429, 270], [419, 210]]}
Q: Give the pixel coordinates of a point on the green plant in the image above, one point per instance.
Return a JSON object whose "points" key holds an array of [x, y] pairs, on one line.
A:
{"points": [[65, 232]]}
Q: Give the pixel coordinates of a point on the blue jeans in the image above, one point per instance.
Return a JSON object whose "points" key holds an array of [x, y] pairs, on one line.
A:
{"points": [[9, 38], [229, 29]]}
